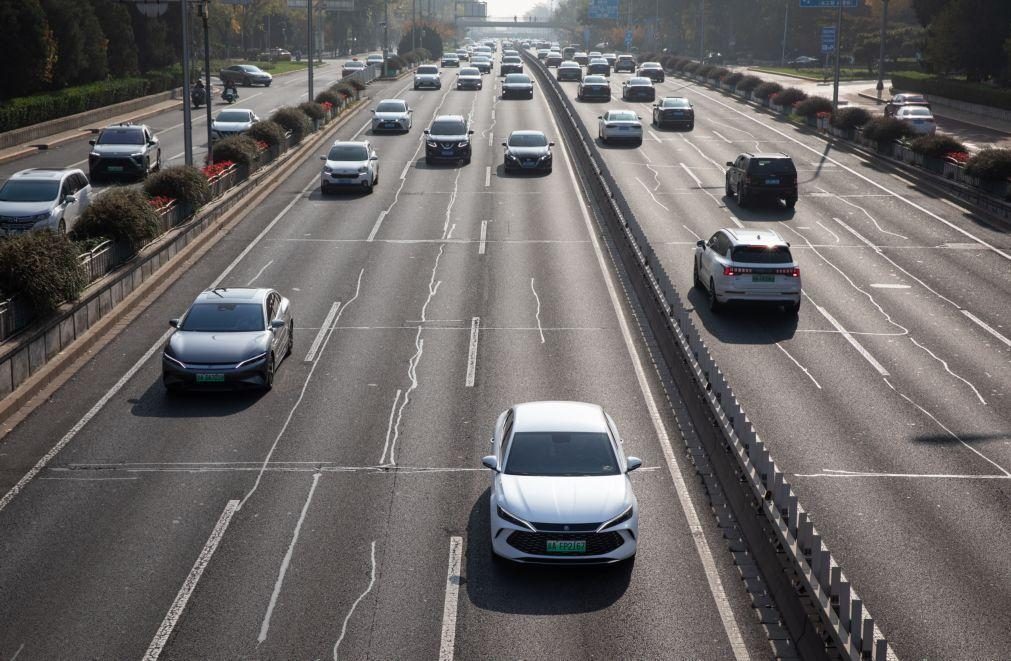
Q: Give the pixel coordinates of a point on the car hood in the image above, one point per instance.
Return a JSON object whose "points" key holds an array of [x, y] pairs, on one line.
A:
{"points": [[527, 152], [518, 85], [541, 499], [426, 76], [447, 138], [217, 348], [24, 209], [231, 127], [346, 166], [117, 150]]}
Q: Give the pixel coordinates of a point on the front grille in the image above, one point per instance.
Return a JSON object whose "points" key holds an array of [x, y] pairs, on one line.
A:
{"points": [[536, 543], [566, 527], [17, 224], [344, 175]]}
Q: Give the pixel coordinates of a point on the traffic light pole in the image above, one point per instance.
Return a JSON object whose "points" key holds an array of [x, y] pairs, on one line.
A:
{"points": [[308, 12], [838, 39], [204, 10], [881, 51]]}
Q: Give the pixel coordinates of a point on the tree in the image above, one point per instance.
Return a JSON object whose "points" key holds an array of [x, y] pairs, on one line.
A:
{"points": [[114, 18], [926, 10], [28, 67], [983, 24], [80, 43]]}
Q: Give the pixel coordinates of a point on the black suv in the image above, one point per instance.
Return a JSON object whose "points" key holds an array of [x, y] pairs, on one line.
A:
{"points": [[754, 176], [124, 150], [624, 63], [448, 140]]}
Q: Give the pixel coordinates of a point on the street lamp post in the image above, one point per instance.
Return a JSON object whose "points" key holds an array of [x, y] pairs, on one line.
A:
{"points": [[702, 32], [838, 39], [187, 115], [881, 51], [308, 30], [386, 38], [203, 11], [786, 25]]}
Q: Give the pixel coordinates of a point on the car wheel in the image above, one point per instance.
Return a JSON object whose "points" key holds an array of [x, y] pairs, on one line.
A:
{"points": [[466, 161], [268, 374], [291, 338], [714, 303], [691, 127], [742, 198], [428, 161], [696, 281], [638, 143], [324, 189], [793, 309], [157, 163], [791, 202], [726, 187]]}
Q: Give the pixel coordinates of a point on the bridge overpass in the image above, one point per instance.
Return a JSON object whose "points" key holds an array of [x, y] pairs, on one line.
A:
{"points": [[508, 22]]}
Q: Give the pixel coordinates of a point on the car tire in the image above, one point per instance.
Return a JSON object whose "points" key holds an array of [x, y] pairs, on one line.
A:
{"points": [[691, 127], [268, 374], [466, 161], [714, 303], [291, 339], [638, 143], [791, 202], [741, 197], [324, 189], [62, 227], [696, 281], [793, 309], [726, 187]]}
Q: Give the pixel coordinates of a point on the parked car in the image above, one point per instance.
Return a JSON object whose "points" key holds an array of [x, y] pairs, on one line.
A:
{"points": [[448, 139], [904, 101], [919, 118], [233, 121], [229, 338], [804, 61], [625, 63], [350, 165], [374, 61], [392, 115], [765, 175], [517, 85], [638, 89], [594, 87], [674, 111], [275, 55], [738, 265], [43, 199], [245, 74], [124, 150], [619, 125]]}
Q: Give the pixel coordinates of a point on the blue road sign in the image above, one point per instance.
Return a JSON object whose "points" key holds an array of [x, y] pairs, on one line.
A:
{"points": [[829, 3], [603, 9], [828, 39]]}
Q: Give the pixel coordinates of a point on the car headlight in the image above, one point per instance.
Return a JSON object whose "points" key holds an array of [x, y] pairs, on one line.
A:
{"points": [[252, 360], [621, 518], [430, 143], [511, 156], [544, 157], [172, 359], [94, 154], [516, 521], [463, 143], [327, 169], [139, 154], [363, 169]]}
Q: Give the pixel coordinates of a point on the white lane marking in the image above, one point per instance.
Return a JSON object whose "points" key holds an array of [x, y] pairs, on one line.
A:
{"points": [[451, 204], [797, 363], [719, 166], [825, 227], [89, 479], [719, 203], [301, 395], [372, 582], [721, 137], [484, 237], [283, 569], [189, 585], [375, 228], [403, 173], [18, 653], [453, 580], [327, 323], [889, 285], [653, 135], [849, 338], [259, 273], [869, 216], [948, 431], [702, 549], [487, 176], [979, 322], [537, 314], [389, 427], [692, 232], [85, 419], [949, 371], [867, 179], [475, 327], [491, 139], [646, 188], [829, 472]]}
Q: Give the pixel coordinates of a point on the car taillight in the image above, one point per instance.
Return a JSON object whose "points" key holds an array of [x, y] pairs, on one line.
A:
{"points": [[793, 272], [736, 270]]}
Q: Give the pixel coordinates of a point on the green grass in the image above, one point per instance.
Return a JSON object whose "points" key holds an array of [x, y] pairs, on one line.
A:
{"points": [[280, 67], [819, 74]]}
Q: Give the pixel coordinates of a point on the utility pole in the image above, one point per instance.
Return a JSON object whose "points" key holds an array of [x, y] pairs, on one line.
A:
{"points": [[881, 51], [386, 38], [414, 24], [838, 40], [702, 33], [786, 24], [203, 10], [187, 115], [308, 11]]}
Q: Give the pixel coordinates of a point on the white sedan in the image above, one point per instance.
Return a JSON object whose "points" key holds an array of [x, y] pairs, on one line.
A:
{"points": [[392, 115], [619, 125], [918, 118], [349, 165], [561, 492]]}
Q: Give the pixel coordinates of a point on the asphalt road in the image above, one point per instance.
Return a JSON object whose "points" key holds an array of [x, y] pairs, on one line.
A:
{"points": [[887, 401], [321, 520]]}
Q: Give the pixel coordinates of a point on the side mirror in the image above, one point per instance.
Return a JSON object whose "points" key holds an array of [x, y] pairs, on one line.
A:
{"points": [[490, 462], [322, 158], [174, 323], [730, 164], [373, 158], [471, 132], [277, 323], [92, 142], [551, 144], [152, 142], [504, 144], [426, 131], [632, 463], [69, 199], [373, 112], [701, 244]]}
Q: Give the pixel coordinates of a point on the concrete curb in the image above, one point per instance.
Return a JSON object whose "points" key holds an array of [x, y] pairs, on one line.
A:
{"points": [[54, 373]]}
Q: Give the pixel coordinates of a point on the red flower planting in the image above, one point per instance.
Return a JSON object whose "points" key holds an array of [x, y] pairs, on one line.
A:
{"points": [[215, 169], [160, 201], [327, 106], [824, 114], [960, 157], [262, 146]]}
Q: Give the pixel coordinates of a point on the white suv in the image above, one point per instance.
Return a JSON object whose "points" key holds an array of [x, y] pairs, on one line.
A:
{"points": [[43, 199], [747, 265]]}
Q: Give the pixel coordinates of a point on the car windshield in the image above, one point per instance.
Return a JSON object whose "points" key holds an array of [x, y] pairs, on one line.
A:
{"points": [[469, 72], [762, 255], [640, 81], [448, 127], [121, 137], [528, 140], [676, 103], [391, 106], [771, 166], [517, 78], [428, 69], [347, 153], [650, 65], [621, 116], [251, 69], [914, 99], [594, 80], [224, 317], [233, 116], [918, 112], [561, 454], [29, 191], [510, 60]]}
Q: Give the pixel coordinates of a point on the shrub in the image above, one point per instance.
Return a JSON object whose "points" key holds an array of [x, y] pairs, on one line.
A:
{"points": [[718, 72], [936, 146], [329, 96], [356, 84], [180, 182], [850, 118], [43, 266], [731, 79], [690, 67], [812, 105], [646, 57], [886, 129], [26, 110], [311, 109], [766, 89], [994, 164], [704, 69], [121, 214], [345, 90], [748, 83], [240, 149], [788, 97], [269, 132], [683, 64], [396, 62], [423, 54], [294, 120], [987, 95]]}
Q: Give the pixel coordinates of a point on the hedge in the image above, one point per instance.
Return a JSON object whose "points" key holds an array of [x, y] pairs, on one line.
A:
{"points": [[812, 105], [731, 79], [239, 149], [121, 214], [331, 97], [993, 164], [396, 62], [850, 118], [936, 146], [704, 69], [718, 72], [997, 97], [690, 67], [788, 97], [294, 120], [886, 129], [766, 89], [311, 109], [749, 83], [43, 267], [184, 183], [268, 131]]}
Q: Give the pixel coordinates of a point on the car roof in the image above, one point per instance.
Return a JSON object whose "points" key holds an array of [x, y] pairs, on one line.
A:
{"points": [[765, 237], [526, 132], [639, 81], [594, 79], [598, 60], [246, 294], [350, 143], [126, 126], [559, 416], [54, 174], [570, 64], [450, 118], [767, 155]]}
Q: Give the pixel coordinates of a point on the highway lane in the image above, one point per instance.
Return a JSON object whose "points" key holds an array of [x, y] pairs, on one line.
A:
{"points": [[886, 400], [361, 469]]}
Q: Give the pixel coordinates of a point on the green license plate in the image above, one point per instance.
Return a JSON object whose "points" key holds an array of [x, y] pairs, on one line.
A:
{"points": [[210, 378], [763, 278], [566, 546]]}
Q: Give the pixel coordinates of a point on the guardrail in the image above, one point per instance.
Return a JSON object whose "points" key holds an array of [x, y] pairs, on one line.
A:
{"points": [[843, 619]]}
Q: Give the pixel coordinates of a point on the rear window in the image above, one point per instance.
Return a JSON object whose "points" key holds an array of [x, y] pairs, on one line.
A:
{"points": [[918, 112], [676, 103], [771, 166], [640, 81], [621, 115], [762, 255], [594, 80]]}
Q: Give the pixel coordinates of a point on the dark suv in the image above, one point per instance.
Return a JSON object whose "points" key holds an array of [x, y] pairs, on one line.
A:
{"points": [[754, 176], [124, 150], [624, 63], [448, 140]]}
